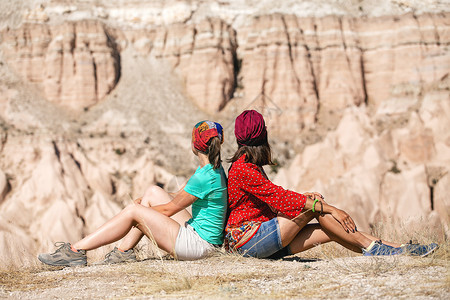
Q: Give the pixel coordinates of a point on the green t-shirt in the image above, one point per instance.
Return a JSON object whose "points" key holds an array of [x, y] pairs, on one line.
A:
{"points": [[210, 209]]}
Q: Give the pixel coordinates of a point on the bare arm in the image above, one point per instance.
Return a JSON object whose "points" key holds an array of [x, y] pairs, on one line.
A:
{"points": [[321, 206], [182, 200], [174, 194]]}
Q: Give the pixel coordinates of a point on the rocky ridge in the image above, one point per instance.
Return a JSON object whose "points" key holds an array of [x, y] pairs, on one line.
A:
{"points": [[76, 64]]}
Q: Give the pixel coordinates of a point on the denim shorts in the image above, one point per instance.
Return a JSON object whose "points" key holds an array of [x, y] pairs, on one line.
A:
{"points": [[266, 243]]}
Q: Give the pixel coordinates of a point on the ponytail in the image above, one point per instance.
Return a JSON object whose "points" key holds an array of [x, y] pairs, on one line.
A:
{"points": [[214, 152]]}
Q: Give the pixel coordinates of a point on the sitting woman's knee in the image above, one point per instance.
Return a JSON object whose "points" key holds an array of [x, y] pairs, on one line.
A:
{"points": [[130, 209], [145, 201], [151, 195]]}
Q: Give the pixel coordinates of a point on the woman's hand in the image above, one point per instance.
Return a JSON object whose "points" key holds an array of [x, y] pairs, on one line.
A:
{"points": [[344, 219], [314, 195]]}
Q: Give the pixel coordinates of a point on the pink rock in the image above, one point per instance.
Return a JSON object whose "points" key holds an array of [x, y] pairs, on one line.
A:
{"points": [[76, 64]]}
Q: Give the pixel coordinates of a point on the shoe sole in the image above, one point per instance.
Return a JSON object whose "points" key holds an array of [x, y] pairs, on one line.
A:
{"points": [[100, 263], [430, 251], [71, 264]]}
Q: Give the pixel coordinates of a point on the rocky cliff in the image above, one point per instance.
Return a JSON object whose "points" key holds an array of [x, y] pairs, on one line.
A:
{"points": [[343, 62], [75, 64], [97, 102]]}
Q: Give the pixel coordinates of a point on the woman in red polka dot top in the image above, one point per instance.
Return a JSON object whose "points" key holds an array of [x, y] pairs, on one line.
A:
{"points": [[267, 221]]}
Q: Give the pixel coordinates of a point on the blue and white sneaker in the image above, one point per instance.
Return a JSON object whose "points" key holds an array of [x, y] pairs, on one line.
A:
{"points": [[378, 248], [419, 250]]}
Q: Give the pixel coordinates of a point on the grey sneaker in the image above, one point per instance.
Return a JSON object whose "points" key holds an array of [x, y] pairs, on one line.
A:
{"points": [[64, 256], [116, 257]]}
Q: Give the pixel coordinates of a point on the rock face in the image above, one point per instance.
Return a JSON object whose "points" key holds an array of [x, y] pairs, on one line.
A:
{"points": [[204, 55], [71, 188], [75, 64], [4, 186], [293, 62], [301, 64], [403, 170]]}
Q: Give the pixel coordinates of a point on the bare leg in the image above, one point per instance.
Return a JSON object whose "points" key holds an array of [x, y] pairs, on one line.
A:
{"points": [[292, 232], [372, 238], [154, 224], [300, 236], [154, 195], [352, 240], [313, 234], [289, 229], [310, 236]]}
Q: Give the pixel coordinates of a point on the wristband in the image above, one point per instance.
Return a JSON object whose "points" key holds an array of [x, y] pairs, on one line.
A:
{"points": [[314, 204]]}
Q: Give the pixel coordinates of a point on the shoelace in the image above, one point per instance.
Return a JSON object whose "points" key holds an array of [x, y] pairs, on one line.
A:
{"points": [[108, 255], [61, 245], [385, 249]]}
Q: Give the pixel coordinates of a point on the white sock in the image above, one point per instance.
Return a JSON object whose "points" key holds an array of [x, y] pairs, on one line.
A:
{"points": [[370, 246]]}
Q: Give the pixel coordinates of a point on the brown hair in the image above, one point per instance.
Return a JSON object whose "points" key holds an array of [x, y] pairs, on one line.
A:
{"points": [[213, 152], [259, 155]]}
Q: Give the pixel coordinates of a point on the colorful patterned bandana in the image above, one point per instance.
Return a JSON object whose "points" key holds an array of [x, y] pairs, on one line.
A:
{"points": [[204, 131]]}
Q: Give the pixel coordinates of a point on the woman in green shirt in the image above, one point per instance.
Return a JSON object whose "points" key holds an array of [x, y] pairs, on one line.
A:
{"points": [[163, 216]]}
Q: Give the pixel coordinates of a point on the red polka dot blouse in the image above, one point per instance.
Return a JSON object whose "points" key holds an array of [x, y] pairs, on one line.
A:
{"points": [[252, 197]]}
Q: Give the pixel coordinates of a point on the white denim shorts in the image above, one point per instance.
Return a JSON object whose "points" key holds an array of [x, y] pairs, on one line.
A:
{"points": [[190, 246]]}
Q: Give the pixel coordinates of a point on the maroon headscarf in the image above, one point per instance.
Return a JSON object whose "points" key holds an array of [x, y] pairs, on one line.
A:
{"points": [[250, 129]]}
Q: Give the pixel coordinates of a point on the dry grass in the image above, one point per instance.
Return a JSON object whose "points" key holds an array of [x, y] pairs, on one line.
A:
{"points": [[327, 271], [25, 280], [232, 276]]}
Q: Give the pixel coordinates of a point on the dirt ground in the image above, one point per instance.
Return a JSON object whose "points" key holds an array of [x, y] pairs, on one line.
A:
{"points": [[230, 276]]}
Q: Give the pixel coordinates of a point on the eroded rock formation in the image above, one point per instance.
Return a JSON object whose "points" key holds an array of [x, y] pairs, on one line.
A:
{"points": [[355, 163], [204, 55], [75, 64], [292, 61], [331, 63], [71, 187]]}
